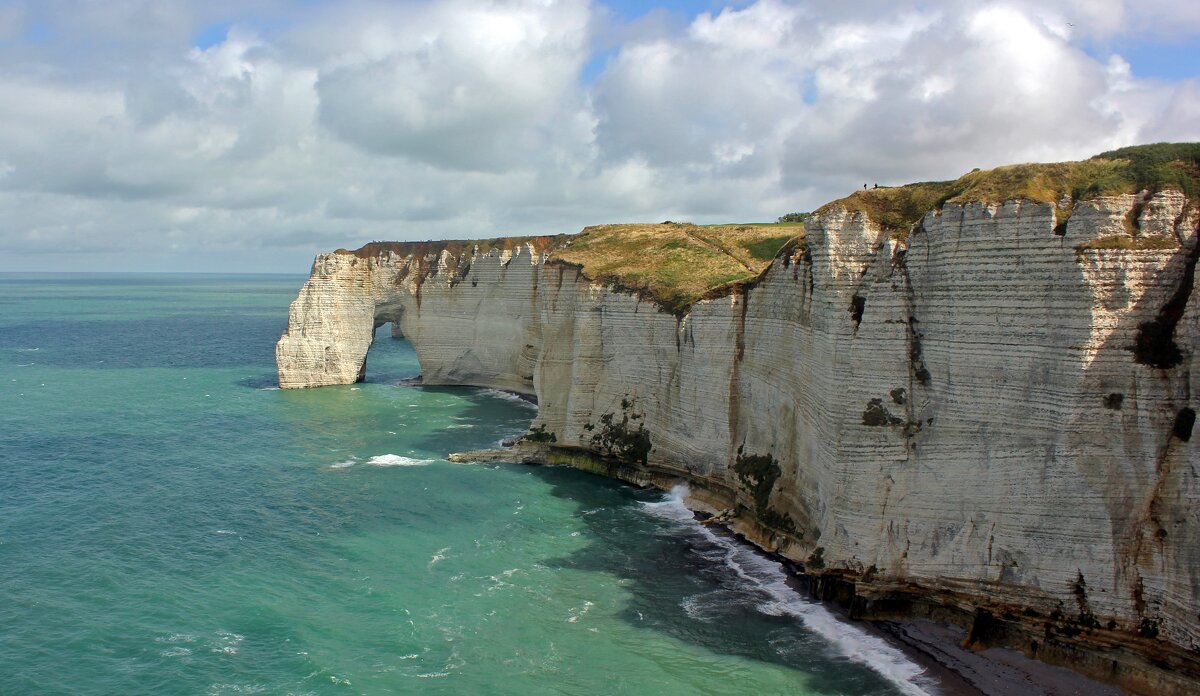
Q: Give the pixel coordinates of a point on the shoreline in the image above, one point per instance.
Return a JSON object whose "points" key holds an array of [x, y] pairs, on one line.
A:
{"points": [[937, 647], [934, 646]]}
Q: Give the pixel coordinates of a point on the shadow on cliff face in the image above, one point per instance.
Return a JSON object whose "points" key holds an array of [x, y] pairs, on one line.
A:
{"points": [[1141, 388], [685, 586]]}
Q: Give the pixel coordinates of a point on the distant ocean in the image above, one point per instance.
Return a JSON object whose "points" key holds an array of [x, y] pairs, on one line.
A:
{"points": [[171, 523]]}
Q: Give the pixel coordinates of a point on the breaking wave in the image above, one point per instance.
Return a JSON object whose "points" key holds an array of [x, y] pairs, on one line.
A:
{"points": [[509, 396], [397, 460], [777, 598]]}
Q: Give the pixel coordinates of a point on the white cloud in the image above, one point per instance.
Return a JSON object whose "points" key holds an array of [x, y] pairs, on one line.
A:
{"points": [[308, 127], [458, 85]]}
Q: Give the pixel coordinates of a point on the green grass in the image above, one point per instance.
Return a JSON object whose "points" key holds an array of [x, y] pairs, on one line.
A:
{"points": [[674, 265], [456, 247], [1129, 170], [766, 249], [1159, 166], [898, 208]]}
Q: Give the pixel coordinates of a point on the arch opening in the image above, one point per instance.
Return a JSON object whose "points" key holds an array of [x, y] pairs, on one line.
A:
{"points": [[391, 356]]}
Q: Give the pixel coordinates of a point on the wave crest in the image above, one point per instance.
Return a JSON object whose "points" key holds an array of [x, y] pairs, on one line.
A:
{"points": [[396, 460]]}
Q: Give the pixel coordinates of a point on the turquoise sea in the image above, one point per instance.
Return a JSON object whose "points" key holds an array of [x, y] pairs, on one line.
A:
{"points": [[171, 523]]}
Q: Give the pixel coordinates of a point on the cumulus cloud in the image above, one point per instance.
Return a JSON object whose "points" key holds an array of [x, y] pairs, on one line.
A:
{"points": [[296, 127], [458, 85]]}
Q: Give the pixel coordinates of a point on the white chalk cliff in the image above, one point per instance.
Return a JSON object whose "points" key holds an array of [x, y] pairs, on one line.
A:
{"points": [[987, 417]]}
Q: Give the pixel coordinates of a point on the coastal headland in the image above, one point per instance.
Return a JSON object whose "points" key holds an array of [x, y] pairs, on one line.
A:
{"points": [[971, 401]]}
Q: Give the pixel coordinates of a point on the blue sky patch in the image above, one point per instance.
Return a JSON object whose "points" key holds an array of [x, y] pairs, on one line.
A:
{"points": [[631, 9], [1162, 60], [211, 35]]}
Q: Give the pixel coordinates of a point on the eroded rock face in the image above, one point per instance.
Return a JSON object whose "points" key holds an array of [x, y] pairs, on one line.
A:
{"points": [[984, 412]]}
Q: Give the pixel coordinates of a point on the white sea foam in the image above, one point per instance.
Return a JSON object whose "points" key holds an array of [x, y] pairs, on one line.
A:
{"points": [[343, 465], [263, 388], [236, 689], [779, 599], [704, 606], [226, 643], [509, 396], [507, 440], [439, 556], [577, 614], [397, 460]]}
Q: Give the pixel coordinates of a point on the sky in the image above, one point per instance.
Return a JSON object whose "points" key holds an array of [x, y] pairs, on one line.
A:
{"points": [[250, 135]]}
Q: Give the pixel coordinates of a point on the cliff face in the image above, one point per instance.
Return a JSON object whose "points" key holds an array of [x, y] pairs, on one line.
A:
{"points": [[993, 415]]}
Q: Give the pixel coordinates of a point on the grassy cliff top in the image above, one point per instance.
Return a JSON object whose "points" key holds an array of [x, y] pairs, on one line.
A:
{"points": [[672, 264], [457, 247], [675, 264], [1128, 170]]}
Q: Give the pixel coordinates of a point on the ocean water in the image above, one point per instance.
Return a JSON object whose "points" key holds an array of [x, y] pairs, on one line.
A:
{"points": [[171, 523]]}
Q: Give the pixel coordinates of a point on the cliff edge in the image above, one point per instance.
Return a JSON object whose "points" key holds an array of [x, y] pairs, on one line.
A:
{"points": [[972, 400]]}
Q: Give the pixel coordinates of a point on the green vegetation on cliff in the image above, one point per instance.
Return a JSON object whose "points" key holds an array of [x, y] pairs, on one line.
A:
{"points": [[672, 264], [897, 208], [456, 247], [1128, 170], [677, 264]]}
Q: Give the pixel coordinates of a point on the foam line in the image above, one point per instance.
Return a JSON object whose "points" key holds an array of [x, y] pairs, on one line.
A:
{"points": [[396, 460], [509, 396], [780, 599]]}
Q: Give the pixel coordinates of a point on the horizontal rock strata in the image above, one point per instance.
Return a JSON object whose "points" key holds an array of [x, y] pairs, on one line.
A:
{"points": [[992, 417]]}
